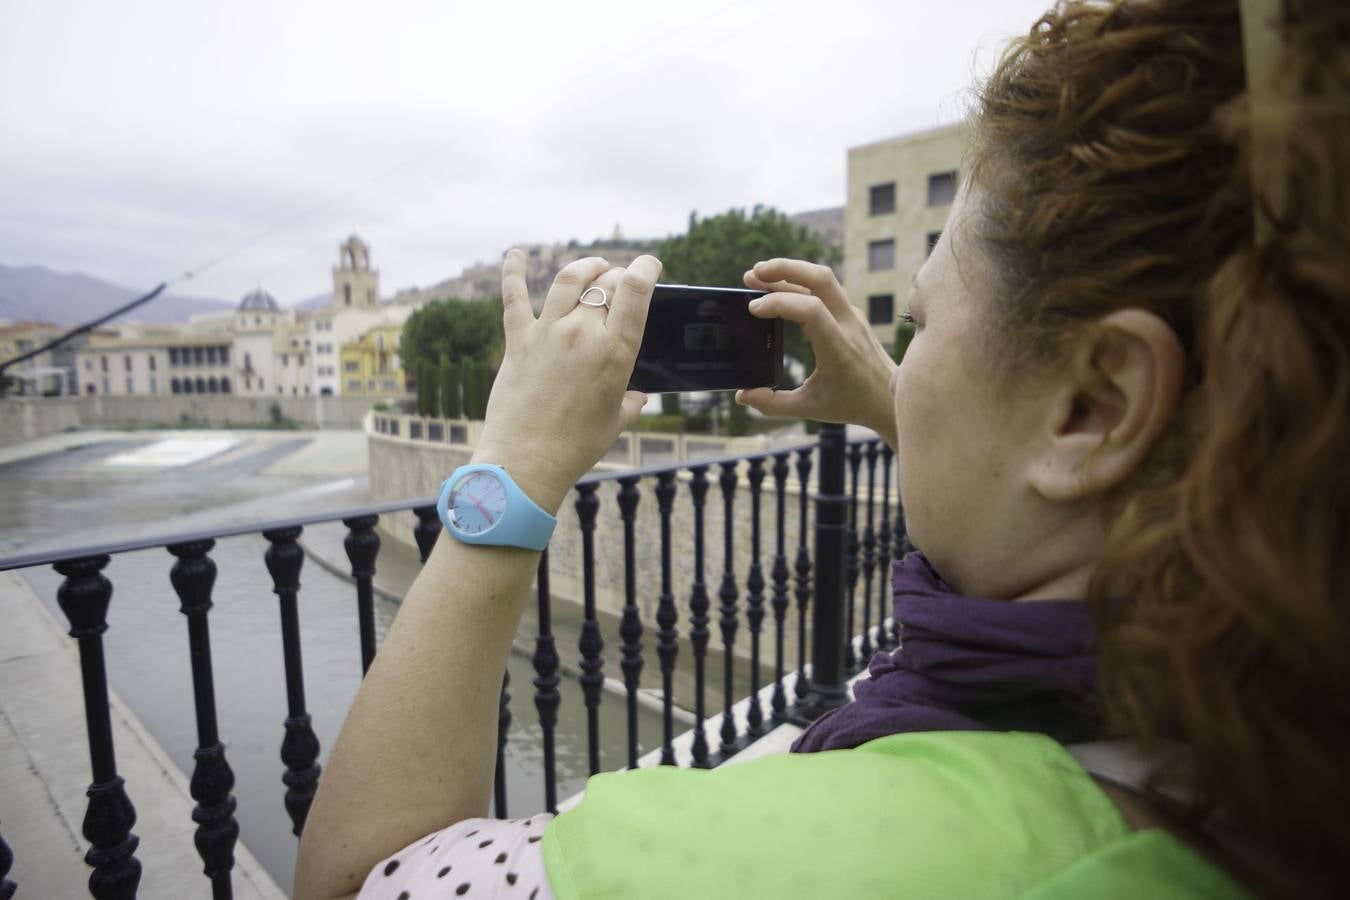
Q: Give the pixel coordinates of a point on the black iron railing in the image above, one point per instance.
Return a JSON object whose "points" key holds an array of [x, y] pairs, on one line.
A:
{"points": [[831, 575]]}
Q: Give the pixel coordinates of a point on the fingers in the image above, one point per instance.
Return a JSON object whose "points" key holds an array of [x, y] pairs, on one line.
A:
{"points": [[631, 407], [516, 311], [816, 278], [574, 278], [806, 310], [628, 308], [771, 402], [755, 284], [609, 283]]}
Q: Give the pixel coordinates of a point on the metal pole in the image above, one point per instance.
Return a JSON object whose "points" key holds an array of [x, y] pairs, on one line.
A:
{"points": [[826, 689]]}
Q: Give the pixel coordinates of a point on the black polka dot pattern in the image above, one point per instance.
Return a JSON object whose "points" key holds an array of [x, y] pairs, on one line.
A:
{"points": [[489, 858]]}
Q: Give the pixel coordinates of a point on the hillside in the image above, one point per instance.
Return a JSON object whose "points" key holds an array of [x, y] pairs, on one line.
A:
{"points": [[70, 298]]}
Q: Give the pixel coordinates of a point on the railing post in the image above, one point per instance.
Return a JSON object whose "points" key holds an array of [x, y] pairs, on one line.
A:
{"points": [[630, 627], [546, 696], [884, 588], [7, 887], [852, 568], [754, 600], [363, 545], [193, 576], [591, 643], [427, 529], [666, 617], [827, 688], [869, 554], [300, 746], [780, 584], [727, 594], [84, 597], [802, 566], [698, 615]]}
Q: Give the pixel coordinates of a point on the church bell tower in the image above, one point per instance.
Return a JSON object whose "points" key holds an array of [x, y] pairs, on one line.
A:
{"points": [[355, 284]]}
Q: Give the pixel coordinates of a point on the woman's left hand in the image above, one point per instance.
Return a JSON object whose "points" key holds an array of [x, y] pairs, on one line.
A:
{"points": [[560, 397]]}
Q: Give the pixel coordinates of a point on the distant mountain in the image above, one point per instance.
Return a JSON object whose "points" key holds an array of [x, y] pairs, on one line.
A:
{"points": [[318, 301], [70, 298]]}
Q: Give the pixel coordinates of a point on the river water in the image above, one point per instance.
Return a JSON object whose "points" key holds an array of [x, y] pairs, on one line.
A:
{"points": [[141, 484]]}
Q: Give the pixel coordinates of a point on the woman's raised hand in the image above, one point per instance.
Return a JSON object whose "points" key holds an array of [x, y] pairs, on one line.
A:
{"points": [[560, 397], [851, 381]]}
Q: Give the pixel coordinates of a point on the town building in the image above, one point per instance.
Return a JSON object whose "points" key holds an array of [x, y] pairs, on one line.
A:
{"points": [[50, 372], [354, 312], [370, 364], [899, 193]]}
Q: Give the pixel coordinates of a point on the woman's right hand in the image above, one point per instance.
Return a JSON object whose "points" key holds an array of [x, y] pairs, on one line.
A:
{"points": [[851, 381]]}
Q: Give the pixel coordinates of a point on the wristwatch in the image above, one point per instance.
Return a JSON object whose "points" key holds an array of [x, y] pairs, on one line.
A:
{"points": [[480, 504]]}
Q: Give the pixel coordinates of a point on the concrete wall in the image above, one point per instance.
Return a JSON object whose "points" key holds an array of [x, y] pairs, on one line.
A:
{"points": [[27, 418]]}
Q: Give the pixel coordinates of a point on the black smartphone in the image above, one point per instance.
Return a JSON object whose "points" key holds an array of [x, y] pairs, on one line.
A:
{"points": [[704, 339]]}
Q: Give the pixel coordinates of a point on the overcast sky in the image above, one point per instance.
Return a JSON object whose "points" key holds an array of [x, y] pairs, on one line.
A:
{"points": [[141, 139]]}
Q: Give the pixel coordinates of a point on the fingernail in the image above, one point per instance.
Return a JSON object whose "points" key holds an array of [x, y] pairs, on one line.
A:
{"points": [[757, 303]]}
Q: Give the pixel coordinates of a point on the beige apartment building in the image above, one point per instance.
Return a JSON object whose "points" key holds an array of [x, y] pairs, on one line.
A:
{"points": [[899, 193]]}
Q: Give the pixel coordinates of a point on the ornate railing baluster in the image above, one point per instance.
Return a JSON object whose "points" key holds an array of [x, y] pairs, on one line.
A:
{"points": [[591, 643], [84, 597], [546, 696], [852, 568], [503, 726], [869, 551], [630, 627], [427, 529], [829, 688], [727, 593], [780, 583], [754, 600], [802, 566], [884, 550], [666, 617], [193, 576], [300, 746], [363, 545], [7, 887], [698, 614]]}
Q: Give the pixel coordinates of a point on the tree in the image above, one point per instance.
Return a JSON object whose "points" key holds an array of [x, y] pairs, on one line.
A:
{"points": [[450, 373], [462, 330], [904, 333], [717, 251]]}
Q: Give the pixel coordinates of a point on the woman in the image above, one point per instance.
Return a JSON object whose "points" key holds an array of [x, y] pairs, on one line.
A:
{"points": [[1129, 383]]}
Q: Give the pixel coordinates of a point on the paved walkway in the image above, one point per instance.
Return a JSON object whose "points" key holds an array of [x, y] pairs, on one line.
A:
{"points": [[44, 772]]}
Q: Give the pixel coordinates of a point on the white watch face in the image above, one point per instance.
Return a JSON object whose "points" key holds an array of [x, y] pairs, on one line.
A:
{"points": [[477, 502]]}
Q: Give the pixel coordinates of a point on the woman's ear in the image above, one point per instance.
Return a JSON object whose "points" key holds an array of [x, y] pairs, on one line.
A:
{"points": [[1111, 406]]}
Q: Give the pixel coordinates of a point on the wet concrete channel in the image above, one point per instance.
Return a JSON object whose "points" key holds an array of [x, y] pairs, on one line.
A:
{"points": [[137, 484]]}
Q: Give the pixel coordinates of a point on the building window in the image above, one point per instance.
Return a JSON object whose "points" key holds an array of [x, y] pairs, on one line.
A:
{"points": [[354, 384], [248, 383], [260, 384], [154, 385], [880, 255], [370, 296], [881, 199], [300, 360], [152, 362], [881, 309], [279, 390], [370, 384], [103, 365], [941, 188], [175, 386], [212, 386], [257, 320], [248, 362], [173, 356], [390, 385], [107, 388], [347, 294], [932, 240], [285, 359], [187, 385], [198, 356], [126, 362], [131, 389], [201, 385], [88, 365], [210, 356], [224, 356], [224, 385], [351, 365]]}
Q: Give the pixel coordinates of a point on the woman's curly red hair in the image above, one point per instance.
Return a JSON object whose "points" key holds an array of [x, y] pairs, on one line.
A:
{"points": [[1115, 159]]}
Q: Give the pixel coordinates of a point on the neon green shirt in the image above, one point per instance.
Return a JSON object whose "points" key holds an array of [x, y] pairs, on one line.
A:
{"points": [[927, 815]]}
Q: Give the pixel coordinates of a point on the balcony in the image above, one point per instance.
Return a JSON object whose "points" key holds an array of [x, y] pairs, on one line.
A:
{"points": [[824, 595]]}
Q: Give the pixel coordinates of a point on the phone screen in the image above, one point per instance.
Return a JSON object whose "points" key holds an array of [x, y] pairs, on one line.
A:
{"points": [[704, 339]]}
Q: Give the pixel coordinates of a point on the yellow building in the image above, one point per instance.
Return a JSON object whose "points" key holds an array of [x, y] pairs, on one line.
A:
{"points": [[370, 364], [899, 193]]}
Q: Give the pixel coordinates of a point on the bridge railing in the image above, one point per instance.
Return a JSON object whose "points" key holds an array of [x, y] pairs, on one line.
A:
{"points": [[858, 530]]}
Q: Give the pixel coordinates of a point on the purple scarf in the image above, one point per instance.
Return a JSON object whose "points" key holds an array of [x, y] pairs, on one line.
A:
{"points": [[970, 664]]}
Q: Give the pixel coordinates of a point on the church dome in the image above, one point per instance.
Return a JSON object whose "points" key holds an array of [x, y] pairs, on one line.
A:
{"points": [[259, 300]]}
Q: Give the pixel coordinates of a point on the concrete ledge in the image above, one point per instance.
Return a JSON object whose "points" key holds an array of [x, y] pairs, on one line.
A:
{"points": [[44, 772]]}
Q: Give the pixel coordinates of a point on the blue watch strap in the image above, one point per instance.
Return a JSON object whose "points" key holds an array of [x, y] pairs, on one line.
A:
{"points": [[522, 522]]}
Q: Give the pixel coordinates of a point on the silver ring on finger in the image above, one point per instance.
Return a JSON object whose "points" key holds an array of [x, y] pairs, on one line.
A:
{"points": [[604, 297]]}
